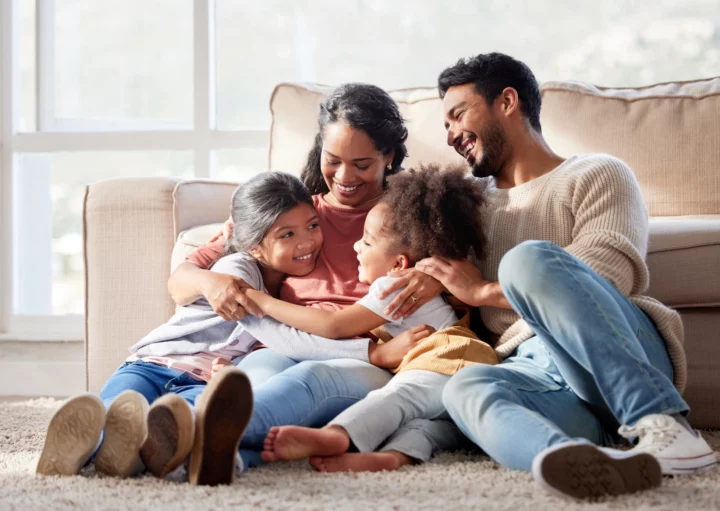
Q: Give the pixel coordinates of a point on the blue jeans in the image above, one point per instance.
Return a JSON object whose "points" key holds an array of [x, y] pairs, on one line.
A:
{"points": [[261, 365], [596, 361], [152, 381]]}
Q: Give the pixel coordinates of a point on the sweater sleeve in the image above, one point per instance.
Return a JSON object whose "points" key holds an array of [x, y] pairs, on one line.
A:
{"points": [[611, 225], [299, 345]]}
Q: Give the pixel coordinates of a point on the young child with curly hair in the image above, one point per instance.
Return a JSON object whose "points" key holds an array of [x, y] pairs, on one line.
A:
{"points": [[424, 213]]}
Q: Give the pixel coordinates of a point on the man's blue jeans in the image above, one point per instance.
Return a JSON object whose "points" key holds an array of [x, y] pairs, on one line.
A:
{"points": [[596, 361]]}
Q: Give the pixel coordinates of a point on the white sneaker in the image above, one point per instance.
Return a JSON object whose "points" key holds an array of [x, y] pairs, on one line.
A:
{"points": [[678, 450], [583, 471]]}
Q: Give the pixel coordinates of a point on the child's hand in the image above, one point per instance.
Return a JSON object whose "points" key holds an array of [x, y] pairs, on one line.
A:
{"points": [[219, 364], [390, 354]]}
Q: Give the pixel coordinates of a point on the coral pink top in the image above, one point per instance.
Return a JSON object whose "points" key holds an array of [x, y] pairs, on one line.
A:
{"points": [[333, 283]]}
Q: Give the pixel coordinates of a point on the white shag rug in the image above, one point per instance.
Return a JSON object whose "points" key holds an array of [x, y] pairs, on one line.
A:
{"points": [[450, 482]]}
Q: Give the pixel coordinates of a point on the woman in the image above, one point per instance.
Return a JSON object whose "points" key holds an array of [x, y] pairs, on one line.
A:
{"points": [[361, 140]]}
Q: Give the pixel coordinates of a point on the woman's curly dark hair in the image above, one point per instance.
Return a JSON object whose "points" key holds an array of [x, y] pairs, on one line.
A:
{"points": [[435, 212]]}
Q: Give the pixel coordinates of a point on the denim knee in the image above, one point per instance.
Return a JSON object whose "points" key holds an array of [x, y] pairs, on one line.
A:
{"points": [[519, 266], [477, 382]]}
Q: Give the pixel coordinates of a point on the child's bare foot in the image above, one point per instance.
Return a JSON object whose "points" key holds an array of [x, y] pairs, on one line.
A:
{"points": [[360, 462], [296, 443]]}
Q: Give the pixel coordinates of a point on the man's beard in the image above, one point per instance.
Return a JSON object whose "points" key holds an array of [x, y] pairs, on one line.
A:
{"points": [[493, 144]]}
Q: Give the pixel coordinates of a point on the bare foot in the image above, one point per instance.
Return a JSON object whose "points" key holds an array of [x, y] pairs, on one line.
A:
{"points": [[360, 462], [295, 443]]}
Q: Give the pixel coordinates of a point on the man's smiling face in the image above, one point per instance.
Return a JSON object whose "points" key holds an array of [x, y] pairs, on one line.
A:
{"points": [[473, 130]]}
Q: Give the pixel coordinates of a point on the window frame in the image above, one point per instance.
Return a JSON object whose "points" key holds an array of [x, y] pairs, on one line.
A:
{"points": [[202, 138]]}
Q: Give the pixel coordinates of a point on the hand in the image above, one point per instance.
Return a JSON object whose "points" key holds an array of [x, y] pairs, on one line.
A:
{"points": [[460, 277], [390, 354], [219, 364], [419, 289], [226, 232], [227, 297]]}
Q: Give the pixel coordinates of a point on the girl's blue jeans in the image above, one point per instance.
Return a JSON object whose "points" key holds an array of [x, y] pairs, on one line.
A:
{"points": [[152, 381]]}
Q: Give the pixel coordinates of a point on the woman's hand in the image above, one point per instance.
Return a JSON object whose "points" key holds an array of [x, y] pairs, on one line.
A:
{"points": [[219, 364], [419, 289], [227, 297], [226, 232], [389, 355]]}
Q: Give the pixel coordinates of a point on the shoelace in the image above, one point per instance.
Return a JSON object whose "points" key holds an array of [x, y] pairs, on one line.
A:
{"points": [[653, 438]]}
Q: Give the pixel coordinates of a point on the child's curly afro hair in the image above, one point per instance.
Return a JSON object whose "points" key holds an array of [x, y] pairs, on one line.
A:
{"points": [[434, 212]]}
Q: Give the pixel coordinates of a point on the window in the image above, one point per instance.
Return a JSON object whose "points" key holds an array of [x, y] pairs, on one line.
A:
{"points": [[96, 89]]}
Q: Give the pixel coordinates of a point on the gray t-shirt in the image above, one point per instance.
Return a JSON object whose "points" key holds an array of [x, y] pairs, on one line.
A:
{"points": [[437, 313]]}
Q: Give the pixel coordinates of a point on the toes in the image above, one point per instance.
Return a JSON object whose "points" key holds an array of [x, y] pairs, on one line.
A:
{"points": [[317, 463], [268, 456]]}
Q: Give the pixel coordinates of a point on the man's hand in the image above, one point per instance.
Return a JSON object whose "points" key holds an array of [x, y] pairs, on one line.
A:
{"points": [[419, 289], [460, 277], [390, 354], [227, 297]]}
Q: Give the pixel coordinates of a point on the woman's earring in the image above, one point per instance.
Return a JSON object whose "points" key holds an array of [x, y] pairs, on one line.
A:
{"points": [[388, 167]]}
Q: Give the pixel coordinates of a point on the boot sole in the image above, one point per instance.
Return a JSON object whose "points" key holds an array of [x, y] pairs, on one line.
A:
{"points": [[221, 419], [170, 435], [582, 471], [72, 435], [125, 432]]}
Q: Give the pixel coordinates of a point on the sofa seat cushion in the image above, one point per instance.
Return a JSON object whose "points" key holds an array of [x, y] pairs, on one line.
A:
{"points": [[683, 257]]}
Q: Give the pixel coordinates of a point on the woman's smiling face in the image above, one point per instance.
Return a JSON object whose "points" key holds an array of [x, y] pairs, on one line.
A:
{"points": [[352, 166]]}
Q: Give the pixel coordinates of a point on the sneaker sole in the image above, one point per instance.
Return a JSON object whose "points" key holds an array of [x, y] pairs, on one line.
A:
{"points": [[170, 424], [72, 436], [221, 418], [125, 432], [582, 471]]}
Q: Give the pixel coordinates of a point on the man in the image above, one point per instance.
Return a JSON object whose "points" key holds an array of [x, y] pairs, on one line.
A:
{"points": [[582, 350]]}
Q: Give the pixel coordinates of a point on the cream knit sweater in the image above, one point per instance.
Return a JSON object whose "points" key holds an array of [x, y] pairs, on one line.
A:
{"points": [[592, 207]]}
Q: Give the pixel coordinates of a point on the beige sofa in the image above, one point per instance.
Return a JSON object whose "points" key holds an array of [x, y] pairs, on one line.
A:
{"points": [[136, 230]]}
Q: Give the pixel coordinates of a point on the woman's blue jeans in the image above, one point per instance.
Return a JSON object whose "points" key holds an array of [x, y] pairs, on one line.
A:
{"points": [[596, 361], [305, 393]]}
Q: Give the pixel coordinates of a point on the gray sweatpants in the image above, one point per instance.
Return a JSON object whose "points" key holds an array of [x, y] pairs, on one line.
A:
{"points": [[407, 412]]}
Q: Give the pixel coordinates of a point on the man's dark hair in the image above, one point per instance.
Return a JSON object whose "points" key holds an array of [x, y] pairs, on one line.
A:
{"points": [[492, 73]]}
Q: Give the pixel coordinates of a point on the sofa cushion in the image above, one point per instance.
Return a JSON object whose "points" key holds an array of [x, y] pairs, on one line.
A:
{"points": [[683, 257], [295, 107], [669, 134], [190, 240]]}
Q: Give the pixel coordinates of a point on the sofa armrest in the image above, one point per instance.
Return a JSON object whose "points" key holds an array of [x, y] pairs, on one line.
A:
{"points": [[130, 228]]}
